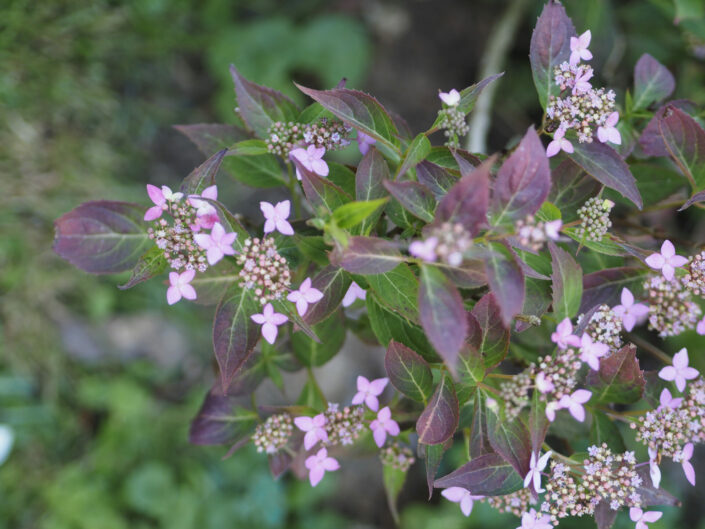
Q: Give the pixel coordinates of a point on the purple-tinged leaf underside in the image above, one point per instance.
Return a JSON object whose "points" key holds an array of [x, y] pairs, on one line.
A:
{"points": [[652, 82], [367, 255], [605, 286], [506, 280], [619, 379], [511, 440], [151, 264], [203, 176], [408, 372], [567, 281], [651, 140], [439, 419], [222, 420], [416, 198], [486, 475], [435, 178], [333, 283], [685, 142], [493, 339], [371, 173]]}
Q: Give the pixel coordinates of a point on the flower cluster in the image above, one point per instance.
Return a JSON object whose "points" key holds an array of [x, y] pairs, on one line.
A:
{"points": [[263, 269], [329, 134], [672, 309], [397, 456], [533, 234], [594, 219], [605, 326], [694, 278], [451, 119], [447, 242], [273, 434]]}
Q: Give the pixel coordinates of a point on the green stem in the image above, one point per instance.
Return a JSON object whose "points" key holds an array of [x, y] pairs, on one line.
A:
{"points": [[294, 190], [314, 382], [650, 348]]}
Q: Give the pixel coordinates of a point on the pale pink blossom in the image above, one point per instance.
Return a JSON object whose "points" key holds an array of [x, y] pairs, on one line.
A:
{"points": [[574, 403], [591, 352], [180, 286], [536, 465], [642, 518], [685, 456], [354, 292], [631, 313], [275, 217], [543, 384], [269, 320], [451, 98], [160, 198], [315, 428], [206, 214], [700, 328], [368, 391], [582, 80], [559, 143], [217, 244], [579, 48], [667, 261], [534, 520], [667, 400], [383, 425], [462, 496], [424, 250], [654, 470], [304, 295], [551, 409], [319, 464], [312, 160], [553, 228], [364, 142], [679, 372], [608, 132], [564, 337]]}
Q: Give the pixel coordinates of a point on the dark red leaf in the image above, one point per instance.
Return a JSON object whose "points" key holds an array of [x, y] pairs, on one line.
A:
{"points": [[605, 286], [493, 340], [652, 82], [651, 140], [685, 142], [479, 433], [486, 475], [367, 255], [506, 280], [650, 495], [567, 281], [435, 178], [333, 282], [619, 379], [438, 421], [212, 137], [408, 372], [222, 419], [414, 197], [511, 440], [203, 175]]}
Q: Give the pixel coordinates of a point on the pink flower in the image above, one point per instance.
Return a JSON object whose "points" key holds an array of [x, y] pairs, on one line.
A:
{"points": [[591, 352], [579, 48], [451, 98], [574, 403], [206, 215], [368, 392], [160, 197], [553, 229], [312, 160], [667, 261], [559, 143], [314, 428], [543, 384], [275, 217], [700, 329], [582, 80], [654, 470], [608, 132], [304, 295], [462, 496], [269, 320], [679, 371], [424, 250], [536, 465], [180, 286], [685, 456], [534, 520], [564, 337], [551, 409], [383, 425], [630, 313], [218, 244], [319, 464], [642, 518], [354, 292], [667, 401], [364, 142]]}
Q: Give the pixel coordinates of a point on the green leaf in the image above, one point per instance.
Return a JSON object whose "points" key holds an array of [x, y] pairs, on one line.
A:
{"points": [[353, 213], [398, 290], [151, 264], [511, 440], [685, 142], [203, 175], [408, 372], [321, 192], [606, 246], [310, 397], [414, 197], [604, 430], [331, 333], [418, 149], [255, 171], [567, 278], [252, 147], [393, 479]]}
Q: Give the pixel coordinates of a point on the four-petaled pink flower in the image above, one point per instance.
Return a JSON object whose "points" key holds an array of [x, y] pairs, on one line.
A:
{"points": [[315, 428], [304, 295], [654, 470], [206, 214], [536, 465], [275, 217], [551, 409], [591, 352], [534, 520], [269, 320], [217, 244], [579, 48], [354, 292], [364, 142], [666, 400], [180, 286], [679, 372], [667, 261], [319, 464], [574, 403], [383, 425], [559, 143], [451, 98], [368, 392], [160, 197], [564, 337], [553, 228], [630, 313], [312, 160], [462, 496], [424, 250], [608, 132], [642, 518], [582, 80], [684, 458]]}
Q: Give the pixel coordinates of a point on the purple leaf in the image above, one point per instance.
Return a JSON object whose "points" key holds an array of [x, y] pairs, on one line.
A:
{"points": [[486, 475], [367, 255], [261, 106], [467, 201], [333, 282], [371, 173], [652, 82], [550, 46], [433, 455], [321, 192], [234, 333], [102, 237], [523, 181], [605, 286], [419, 148], [493, 339], [479, 433], [203, 175], [651, 140], [506, 281], [469, 95], [685, 142], [221, 420], [435, 178], [697, 197], [572, 186], [537, 300], [212, 137], [359, 110], [414, 197], [619, 379], [470, 274], [538, 423], [211, 284], [408, 372], [605, 516], [650, 495], [439, 419], [511, 440], [567, 278], [279, 463], [606, 166], [441, 308]]}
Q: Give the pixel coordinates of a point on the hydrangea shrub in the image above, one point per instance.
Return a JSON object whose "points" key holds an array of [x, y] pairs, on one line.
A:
{"points": [[468, 269]]}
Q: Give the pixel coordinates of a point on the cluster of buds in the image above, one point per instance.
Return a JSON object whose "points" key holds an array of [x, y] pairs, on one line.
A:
{"points": [[533, 234], [605, 326], [447, 242], [594, 219], [515, 392], [263, 269], [397, 456], [343, 426], [515, 503], [282, 137], [454, 126], [273, 434], [671, 306], [694, 279]]}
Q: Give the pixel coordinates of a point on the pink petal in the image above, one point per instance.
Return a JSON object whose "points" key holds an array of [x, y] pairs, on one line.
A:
{"points": [[284, 227], [667, 373], [359, 398], [613, 136], [377, 386], [454, 494], [210, 192], [602, 134], [667, 270], [269, 332], [574, 43], [372, 402], [380, 435], [689, 472], [362, 383], [677, 261], [258, 318], [316, 475], [635, 513], [384, 414], [392, 427], [627, 297], [687, 451], [578, 412], [172, 295], [330, 464], [652, 516], [639, 310], [217, 232], [214, 254], [567, 146], [153, 213], [310, 439], [680, 359], [612, 119], [278, 319], [303, 423], [282, 209], [581, 396], [655, 261], [553, 148], [466, 505], [689, 373], [203, 240], [584, 39], [188, 292], [270, 225], [301, 306], [667, 249], [155, 194], [187, 276], [320, 167], [629, 321], [313, 295]]}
